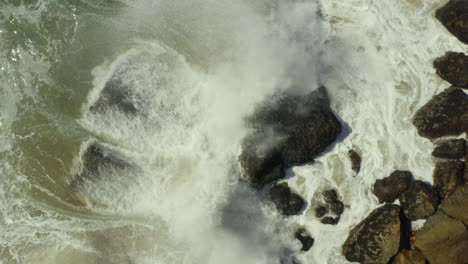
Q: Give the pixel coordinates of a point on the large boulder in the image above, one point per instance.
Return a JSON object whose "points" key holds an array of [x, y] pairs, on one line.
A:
{"points": [[355, 160], [305, 238], [286, 201], [447, 176], [453, 67], [376, 239], [287, 131], [446, 114], [451, 149], [419, 201], [389, 188], [410, 257], [456, 205], [443, 240], [454, 16]]}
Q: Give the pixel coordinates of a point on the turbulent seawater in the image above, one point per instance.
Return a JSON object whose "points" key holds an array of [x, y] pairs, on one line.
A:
{"points": [[197, 68]]}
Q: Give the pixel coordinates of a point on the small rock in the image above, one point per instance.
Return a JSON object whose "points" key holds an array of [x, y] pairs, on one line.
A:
{"points": [[330, 196], [454, 17], [328, 220], [355, 160], [419, 201], [287, 202], [320, 211], [453, 68], [410, 257], [456, 205], [376, 239], [336, 207], [451, 149], [446, 114], [447, 176], [304, 237], [443, 240], [389, 188]]}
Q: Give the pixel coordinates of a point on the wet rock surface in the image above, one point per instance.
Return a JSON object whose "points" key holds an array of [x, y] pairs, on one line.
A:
{"points": [[287, 202], [389, 188], [305, 238], [355, 160], [288, 131], [331, 209], [451, 149], [447, 176], [410, 257], [419, 201], [453, 68], [443, 240], [376, 239], [454, 17], [446, 114], [115, 96], [456, 205]]}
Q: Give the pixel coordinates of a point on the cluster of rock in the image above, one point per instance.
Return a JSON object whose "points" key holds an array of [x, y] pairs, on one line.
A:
{"points": [[383, 236], [330, 209]]}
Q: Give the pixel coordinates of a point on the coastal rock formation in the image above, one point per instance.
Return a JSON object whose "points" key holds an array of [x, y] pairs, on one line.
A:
{"points": [[446, 114], [453, 68], [454, 16], [288, 131], [389, 188], [376, 239], [331, 205], [443, 240], [410, 257], [287, 202], [355, 160], [116, 96], [451, 149], [419, 201], [456, 205], [304, 237], [447, 176]]}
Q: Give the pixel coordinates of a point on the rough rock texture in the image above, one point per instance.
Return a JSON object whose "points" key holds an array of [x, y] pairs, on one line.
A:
{"points": [[465, 176], [453, 67], [376, 239], [454, 16], [115, 96], [419, 201], [321, 211], [328, 220], [446, 114], [332, 205], [304, 237], [389, 188], [410, 257], [355, 160], [288, 131], [287, 202], [447, 176], [443, 240], [451, 149], [456, 205]]}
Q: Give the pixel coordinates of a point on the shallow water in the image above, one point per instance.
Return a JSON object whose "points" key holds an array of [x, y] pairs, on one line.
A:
{"points": [[196, 69]]}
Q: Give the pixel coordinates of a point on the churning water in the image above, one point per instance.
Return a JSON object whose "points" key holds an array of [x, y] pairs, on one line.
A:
{"points": [[195, 69]]}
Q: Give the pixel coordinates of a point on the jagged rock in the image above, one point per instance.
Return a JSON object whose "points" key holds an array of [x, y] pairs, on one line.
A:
{"points": [[336, 207], [320, 211], [443, 240], [287, 202], [410, 257], [376, 239], [332, 205], [446, 114], [419, 201], [117, 96], [456, 205], [451, 149], [355, 160], [389, 188], [328, 220], [330, 196], [447, 176], [453, 68], [288, 131], [304, 237], [454, 17]]}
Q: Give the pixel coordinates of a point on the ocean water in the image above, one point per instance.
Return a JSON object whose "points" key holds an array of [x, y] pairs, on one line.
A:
{"points": [[196, 69]]}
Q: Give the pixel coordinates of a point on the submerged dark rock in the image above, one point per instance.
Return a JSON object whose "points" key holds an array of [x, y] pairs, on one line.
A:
{"points": [[305, 238], [419, 201], [376, 239], [389, 188], [446, 114], [355, 160], [451, 149], [290, 130], [454, 17], [287, 202], [332, 205], [328, 220], [453, 68], [447, 176], [321, 211], [115, 96]]}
